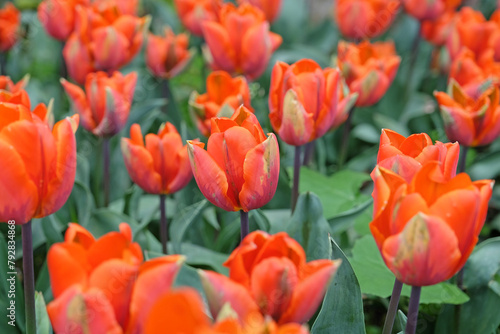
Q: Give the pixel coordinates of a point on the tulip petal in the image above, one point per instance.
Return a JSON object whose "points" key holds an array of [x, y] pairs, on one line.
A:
{"points": [[79, 102], [255, 50], [217, 39], [297, 126]]}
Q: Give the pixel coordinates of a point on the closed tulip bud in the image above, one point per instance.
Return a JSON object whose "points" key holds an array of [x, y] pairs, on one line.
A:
{"points": [[58, 16], [167, 56], [470, 120], [7, 84], [38, 162], [271, 8], [427, 229], [303, 101], [105, 105], [361, 19], [224, 95], [240, 168], [240, 42], [194, 12], [368, 68], [161, 166], [429, 10], [10, 20]]}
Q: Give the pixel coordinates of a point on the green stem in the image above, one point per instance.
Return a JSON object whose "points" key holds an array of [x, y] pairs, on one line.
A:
{"points": [[3, 63], [393, 307], [296, 176], [345, 139], [411, 323], [244, 224], [413, 59], [105, 152], [308, 154], [163, 224], [28, 278], [171, 108], [463, 158]]}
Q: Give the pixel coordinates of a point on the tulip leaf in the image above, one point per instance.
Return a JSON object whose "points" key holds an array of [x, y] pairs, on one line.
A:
{"points": [[376, 279], [342, 309], [483, 264], [183, 221], [338, 193], [42, 318], [309, 227]]}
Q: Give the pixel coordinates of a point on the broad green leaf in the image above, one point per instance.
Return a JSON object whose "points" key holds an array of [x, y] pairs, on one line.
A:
{"points": [[342, 309], [483, 263], [42, 318], [402, 319], [183, 221], [278, 219], [376, 279]]}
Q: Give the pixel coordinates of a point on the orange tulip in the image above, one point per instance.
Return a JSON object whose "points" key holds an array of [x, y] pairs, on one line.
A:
{"points": [[426, 229], [128, 7], [102, 41], [38, 161], [58, 16], [194, 12], [240, 42], [105, 105], [304, 100], [224, 95], [101, 271], [264, 265], [167, 56], [10, 19], [7, 84], [240, 168], [429, 10], [360, 19], [271, 8], [472, 121], [437, 31], [406, 156], [368, 68], [162, 165]]}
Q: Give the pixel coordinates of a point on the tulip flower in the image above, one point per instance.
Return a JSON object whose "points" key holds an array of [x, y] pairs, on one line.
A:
{"points": [[102, 41], [359, 19], [240, 42], [128, 7], [271, 8], [92, 277], [429, 10], [262, 266], [167, 56], [368, 68], [224, 95], [58, 16], [194, 12], [472, 121], [240, 168], [436, 31], [10, 19], [7, 84], [405, 156]]}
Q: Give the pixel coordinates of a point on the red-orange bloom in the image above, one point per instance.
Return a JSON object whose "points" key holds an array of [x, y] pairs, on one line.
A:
{"points": [[406, 156], [92, 277], [7, 84], [167, 56], [58, 16], [272, 270], [470, 120], [271, 8], [240, 168], [240, 42], [429, 10], [224, 95], [105, 105], [437, 31], [128, 7], [162, 165], [426, 229], [360, 19], [368, 68], [303, 101], [38, 161], [10, 19], [102, 41], [194, 12]]}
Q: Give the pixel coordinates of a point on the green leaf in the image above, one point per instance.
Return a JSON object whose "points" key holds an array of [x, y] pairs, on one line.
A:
{"points": [[342, 309], [42, 318], [483, 263], [338, 193], [309, 227], [402, 319], [183, 221], [376, 279]]}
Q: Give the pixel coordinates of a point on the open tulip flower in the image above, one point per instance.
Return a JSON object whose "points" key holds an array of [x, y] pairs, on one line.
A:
{"points": [[105, 105], [429, 10], [10, 20], [224, 95], [472, 121], [271, 8], [167, 56], [58, 16], [359, 19], [240, 168], [7, 84], [102, 41], [194, 12], [426, 229], [304, 101], [269, 273], [436, 31], [368, 68], [240, 42]]}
